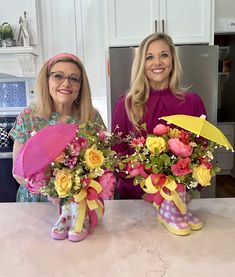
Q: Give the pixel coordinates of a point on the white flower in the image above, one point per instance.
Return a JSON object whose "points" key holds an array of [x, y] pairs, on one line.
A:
{"points": [[193, 144], [193, 184], [99, 171], [209, 155]]}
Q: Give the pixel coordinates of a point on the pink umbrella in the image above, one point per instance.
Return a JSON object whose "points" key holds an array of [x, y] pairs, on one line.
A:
{"points": [[42, 148]]}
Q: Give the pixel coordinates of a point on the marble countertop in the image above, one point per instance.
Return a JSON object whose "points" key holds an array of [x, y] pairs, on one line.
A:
{"points": [[127, 242]]}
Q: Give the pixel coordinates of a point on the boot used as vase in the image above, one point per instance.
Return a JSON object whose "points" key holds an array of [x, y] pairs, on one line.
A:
{"points": [[75, 233], [175, 218], [60, 229], [65, 227]]}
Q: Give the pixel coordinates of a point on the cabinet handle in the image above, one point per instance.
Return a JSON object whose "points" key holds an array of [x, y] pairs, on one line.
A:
{"points": [[163, 26], [155, 26]]}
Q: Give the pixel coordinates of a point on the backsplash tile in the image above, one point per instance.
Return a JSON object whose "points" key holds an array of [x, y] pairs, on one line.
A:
{"points": [[13, 94]]}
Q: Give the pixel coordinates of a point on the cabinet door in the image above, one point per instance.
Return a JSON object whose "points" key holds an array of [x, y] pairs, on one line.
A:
{"points": [[187, 21], [61, 27], [130, 21]]}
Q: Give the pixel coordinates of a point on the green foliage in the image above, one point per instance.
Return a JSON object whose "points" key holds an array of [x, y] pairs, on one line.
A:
{"points": [[6, 31]]}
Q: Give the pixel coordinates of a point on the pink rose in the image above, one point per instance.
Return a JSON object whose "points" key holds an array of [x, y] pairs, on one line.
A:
{"points": [[27, 111], [107, 181], [181, 168], [178, 148], [161, 129]]}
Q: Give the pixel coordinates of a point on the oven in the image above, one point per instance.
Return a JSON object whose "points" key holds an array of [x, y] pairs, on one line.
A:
{"points": [[8, 185]]}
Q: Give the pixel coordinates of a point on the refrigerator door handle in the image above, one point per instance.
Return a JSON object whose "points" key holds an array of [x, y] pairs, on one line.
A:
{"points": [[155, 26], [163, 26]]}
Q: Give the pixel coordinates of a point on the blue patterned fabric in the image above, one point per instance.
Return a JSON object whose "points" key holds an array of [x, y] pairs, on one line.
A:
{"points": [[13, 94]]}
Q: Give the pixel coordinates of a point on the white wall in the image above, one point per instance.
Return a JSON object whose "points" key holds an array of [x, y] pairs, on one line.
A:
{"points": [[11, 10]]}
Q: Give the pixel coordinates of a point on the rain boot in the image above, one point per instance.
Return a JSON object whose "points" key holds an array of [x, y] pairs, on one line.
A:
{"points": [[74, 235], [60, 229], [171, 217], [193, 221]]}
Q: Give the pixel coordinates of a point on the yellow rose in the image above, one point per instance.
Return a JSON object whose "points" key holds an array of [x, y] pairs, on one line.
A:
{"points": [[155, 142], [202, 175], [94, 158], [63, 183]]}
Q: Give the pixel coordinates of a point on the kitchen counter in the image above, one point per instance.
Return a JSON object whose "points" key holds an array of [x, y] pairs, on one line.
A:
{"points": [[127, 242]]}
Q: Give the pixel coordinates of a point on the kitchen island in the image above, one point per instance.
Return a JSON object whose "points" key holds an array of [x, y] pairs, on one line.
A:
{"points": [[127, 242]]}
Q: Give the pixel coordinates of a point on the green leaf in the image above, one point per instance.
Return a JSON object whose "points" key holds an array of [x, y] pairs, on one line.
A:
{"points": [[155, 169], [144, 126], [137, 180]]}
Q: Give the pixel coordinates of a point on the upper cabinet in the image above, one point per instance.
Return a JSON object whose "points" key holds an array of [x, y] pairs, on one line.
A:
{"points": [[61, 27], [186, 21]]}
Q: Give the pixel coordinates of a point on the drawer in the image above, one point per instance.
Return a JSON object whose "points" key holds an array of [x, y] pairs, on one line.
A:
{"points": [[226, 129], [225, 160]]}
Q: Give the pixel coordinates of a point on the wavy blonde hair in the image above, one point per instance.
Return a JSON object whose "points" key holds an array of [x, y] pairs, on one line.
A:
{"points": [[82, 107], [139, 86]]}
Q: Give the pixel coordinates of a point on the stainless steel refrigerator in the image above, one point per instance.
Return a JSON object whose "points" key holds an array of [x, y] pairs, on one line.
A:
{"points": [[200, 72]]}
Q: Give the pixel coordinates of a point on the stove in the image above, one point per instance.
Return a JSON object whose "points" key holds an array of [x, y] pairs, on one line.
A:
{"points": [[8, 185]]}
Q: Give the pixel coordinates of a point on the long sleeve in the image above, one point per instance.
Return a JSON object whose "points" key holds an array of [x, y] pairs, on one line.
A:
{"points": [[120, 123]]}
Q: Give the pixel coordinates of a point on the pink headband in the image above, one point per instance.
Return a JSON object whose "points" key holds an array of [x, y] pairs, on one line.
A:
{"points": [[60, 56]]}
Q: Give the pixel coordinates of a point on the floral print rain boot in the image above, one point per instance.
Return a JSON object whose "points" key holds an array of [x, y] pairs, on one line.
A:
{"points": [[73, 235], [60, 230], [171, 217]]}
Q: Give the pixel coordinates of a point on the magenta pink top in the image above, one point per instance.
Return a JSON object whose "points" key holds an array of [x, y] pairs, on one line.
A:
{"points": [[160, 103]]}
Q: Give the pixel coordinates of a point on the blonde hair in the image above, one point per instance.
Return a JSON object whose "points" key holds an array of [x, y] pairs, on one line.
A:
{"points": [[139, 86], [82, 107]]}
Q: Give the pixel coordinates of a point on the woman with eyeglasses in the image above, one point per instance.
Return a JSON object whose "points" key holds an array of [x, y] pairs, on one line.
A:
{"points": [[63, 96]]}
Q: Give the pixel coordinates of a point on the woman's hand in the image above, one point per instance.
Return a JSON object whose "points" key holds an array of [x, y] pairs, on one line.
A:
{"points": [[20, 179]]}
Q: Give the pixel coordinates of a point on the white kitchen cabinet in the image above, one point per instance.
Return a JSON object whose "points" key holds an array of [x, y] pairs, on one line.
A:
{"points": [[60, 27], [77, 27], [225, 158], [186, 21]]}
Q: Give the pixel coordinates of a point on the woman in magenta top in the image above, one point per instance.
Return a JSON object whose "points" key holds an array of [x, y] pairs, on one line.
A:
{"points": [[154, 92]]}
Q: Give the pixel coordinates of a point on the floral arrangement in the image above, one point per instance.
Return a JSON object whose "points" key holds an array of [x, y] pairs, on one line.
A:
{"points": [[82, 173], [86, 159], [168, 157]]}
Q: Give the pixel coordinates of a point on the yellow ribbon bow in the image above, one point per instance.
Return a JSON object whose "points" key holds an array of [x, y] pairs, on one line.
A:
{"points": [[169, 184], [81, 199]]}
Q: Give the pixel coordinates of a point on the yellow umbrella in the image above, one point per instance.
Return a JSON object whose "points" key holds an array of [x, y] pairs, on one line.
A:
{"points": [[199, 126]]}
